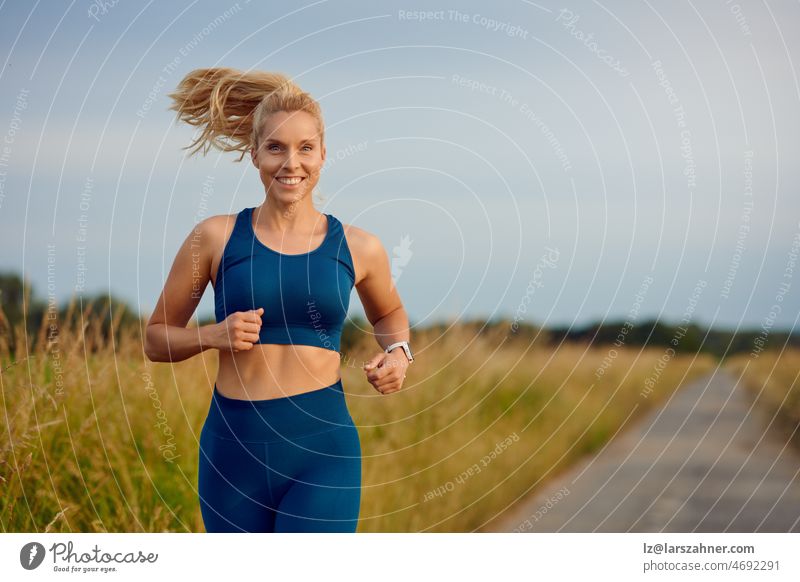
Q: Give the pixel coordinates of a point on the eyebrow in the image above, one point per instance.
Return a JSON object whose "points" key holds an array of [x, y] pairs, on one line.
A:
{"points": [[308, 139]]}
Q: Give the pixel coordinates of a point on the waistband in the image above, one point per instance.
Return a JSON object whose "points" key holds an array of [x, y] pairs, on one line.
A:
{"points": [[278, 419]]}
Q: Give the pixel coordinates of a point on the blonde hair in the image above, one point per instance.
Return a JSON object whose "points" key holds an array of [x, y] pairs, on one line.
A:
{"points": [[231, 106]]}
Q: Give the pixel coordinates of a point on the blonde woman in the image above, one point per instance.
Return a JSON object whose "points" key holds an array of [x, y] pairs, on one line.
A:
{"points": [[279, 451]]}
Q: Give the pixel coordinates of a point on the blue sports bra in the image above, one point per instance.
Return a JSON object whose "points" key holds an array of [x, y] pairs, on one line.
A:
{"points": [[305, 297]]}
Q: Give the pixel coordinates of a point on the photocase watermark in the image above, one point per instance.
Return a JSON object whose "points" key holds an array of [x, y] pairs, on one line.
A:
{"points": [[31, 555], [81, 237], [736, 10], [527, 112], [689, 169], [301, 194], [744, 225], [316, 319], [476, 468], [171, 67], [568, 20], [401, 255], [627, 326], [100, 8], [420, 15], [315, 316], [329, 160], [206, 191], [342, 154], [783, 288], [53, 346], [542, 511], [322, 332], [8, 139], [651, 381], [167, 449], [67, 560], [350, 362], [547, 260], [490, 24]]}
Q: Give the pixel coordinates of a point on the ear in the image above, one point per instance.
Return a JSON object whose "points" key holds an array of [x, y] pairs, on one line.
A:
{"points": [[323, 152], [253, 156]]}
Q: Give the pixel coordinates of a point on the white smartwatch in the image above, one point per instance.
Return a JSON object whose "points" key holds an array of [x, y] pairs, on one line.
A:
{"points": [[406, 349]]}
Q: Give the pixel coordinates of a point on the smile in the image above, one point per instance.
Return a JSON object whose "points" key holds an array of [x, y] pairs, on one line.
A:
{"points": [[289, 181]]}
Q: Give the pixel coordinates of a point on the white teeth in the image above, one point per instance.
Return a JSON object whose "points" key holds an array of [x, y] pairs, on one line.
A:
{"points": [[289, 180]]}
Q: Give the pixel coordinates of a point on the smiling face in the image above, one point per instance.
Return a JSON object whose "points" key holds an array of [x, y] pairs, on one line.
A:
{"points": [[290, 155]]}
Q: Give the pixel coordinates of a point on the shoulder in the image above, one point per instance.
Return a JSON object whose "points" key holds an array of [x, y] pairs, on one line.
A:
{"points": [[209, 235], [361, 241], [366, 250], [215, 228]]}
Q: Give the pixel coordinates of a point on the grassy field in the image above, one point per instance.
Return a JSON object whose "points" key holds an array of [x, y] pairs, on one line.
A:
{"points": [[96, 438], [771, 379]]}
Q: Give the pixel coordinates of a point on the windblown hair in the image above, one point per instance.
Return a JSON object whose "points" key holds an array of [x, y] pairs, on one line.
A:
{"points": [[231, 106]]}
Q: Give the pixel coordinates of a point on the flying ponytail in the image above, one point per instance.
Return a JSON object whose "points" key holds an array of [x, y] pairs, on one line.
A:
{"points": [[231, 105]]}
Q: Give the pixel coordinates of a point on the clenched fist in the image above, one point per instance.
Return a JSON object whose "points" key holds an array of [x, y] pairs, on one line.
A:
{"points": [[239, 331]]}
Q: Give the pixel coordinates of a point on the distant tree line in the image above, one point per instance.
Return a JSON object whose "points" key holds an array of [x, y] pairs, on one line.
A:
{"points": [[21, 311]]}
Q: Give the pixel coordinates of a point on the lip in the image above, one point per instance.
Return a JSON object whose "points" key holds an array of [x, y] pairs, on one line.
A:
{"points": [[289, 186]]}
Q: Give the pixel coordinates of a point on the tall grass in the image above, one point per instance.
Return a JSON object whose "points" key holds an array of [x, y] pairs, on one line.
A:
{"points": [[98, 439], [772, 380]]}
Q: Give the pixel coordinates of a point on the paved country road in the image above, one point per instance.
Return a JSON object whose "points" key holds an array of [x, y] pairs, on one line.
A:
{"points": [[704, 462]]}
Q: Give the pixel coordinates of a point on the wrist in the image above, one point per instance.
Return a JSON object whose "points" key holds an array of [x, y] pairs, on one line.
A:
{"points": [[397, 359], [208, 335], [402, 347]]}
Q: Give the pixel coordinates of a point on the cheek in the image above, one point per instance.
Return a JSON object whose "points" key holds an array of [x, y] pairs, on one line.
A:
{"points": [[315, 167], [267, 167]]}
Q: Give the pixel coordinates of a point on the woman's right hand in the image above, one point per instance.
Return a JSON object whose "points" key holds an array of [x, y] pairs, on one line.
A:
{"points": [[238, 332]]}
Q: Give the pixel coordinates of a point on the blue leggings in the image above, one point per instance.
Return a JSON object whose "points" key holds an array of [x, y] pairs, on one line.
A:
{"points": [[289, 464]]}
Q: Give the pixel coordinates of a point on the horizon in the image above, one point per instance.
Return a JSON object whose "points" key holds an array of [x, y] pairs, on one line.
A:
{"points": [[569, 165]]}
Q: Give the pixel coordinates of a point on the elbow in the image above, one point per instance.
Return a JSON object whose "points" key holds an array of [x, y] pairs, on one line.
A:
{"points": [[150, 353], [150, 350], [397, 309]]}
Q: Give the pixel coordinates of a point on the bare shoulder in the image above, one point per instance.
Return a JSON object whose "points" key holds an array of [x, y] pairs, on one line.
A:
{"points": [[365, 248], [210, 232], [361, 240], [218, 225]]}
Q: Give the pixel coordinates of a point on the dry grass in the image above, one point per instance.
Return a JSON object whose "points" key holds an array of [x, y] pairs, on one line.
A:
{"points": [[771, 379], [99, 439]]}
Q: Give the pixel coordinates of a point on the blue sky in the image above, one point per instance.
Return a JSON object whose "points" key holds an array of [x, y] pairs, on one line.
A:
{"points": [[558, 163]]}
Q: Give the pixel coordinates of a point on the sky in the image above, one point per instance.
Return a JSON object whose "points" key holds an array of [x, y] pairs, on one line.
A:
{"points": [[553, 163]]}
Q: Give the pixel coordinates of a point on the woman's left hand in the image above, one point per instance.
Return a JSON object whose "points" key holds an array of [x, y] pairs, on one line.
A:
{"points": [[386, 372]]}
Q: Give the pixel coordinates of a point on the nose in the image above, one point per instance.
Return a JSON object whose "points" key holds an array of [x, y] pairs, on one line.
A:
{"points": [[291, 162]]}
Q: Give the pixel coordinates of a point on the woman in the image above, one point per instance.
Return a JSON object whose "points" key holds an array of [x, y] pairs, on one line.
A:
{"points": [[278, 449]]}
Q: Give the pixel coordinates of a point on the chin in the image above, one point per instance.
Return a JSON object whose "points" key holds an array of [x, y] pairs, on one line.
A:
{"points": [[287, 197]]}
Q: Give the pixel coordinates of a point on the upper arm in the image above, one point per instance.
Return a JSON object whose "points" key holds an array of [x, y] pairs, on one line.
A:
{"points": [[376, 289], [188, 277]]}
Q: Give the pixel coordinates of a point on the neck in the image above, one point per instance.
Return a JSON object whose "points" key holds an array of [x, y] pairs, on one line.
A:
{"points": [[295, 216]]}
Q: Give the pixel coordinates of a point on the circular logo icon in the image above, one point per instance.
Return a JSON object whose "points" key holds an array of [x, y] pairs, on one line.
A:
{"points": [[31, 555]]}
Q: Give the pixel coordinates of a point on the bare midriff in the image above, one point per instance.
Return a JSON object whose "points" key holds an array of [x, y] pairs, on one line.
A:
{"points": [[272, 370], [276, 371]]}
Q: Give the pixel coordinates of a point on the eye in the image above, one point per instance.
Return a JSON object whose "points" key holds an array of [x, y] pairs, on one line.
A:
{"points": [[309, 147], [269, 147]]}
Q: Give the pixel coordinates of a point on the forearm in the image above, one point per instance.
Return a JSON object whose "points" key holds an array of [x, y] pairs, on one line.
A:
{"points": [[170, 343], [392, 328]]}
